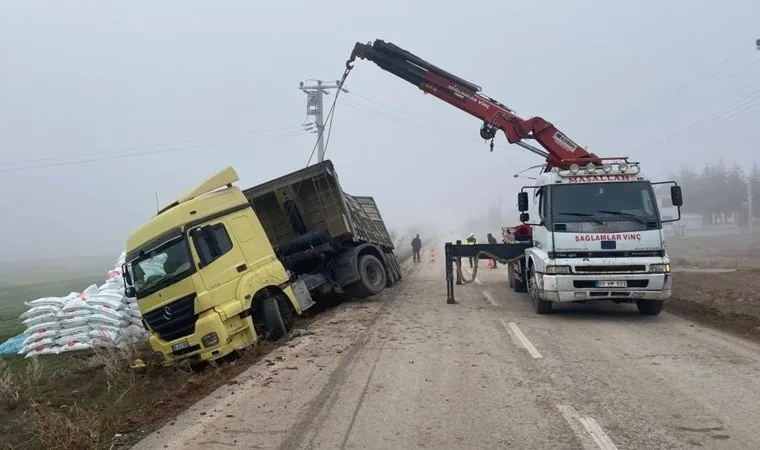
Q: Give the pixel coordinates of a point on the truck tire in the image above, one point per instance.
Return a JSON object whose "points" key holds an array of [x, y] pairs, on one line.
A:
{"points": [[286, 311], [390, 274], [396, 267], [390, 277], [649, 307], [514, 283], [275, 326], [372, 278], [540, 306]]}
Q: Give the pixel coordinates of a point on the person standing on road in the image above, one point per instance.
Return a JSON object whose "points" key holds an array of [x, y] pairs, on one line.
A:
{"points": [[416, 247], [492, 240], [470, 241]]}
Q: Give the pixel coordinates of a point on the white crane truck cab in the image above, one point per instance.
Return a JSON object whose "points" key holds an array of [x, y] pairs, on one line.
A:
{"points": [[597, 235]]}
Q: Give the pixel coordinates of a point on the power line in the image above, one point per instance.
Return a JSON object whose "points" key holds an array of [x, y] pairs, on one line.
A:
{"points": [[402, 112], [751, 98], [140, 154], [435, 126], [144, 147]]}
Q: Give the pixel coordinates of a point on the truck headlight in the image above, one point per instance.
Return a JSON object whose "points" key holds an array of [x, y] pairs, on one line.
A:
{"points": [[210, 339], [659, 268], [557, 270]]}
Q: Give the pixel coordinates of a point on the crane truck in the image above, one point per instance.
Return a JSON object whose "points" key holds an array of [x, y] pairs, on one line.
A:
{"points": [[220, 267], [596, 230]]}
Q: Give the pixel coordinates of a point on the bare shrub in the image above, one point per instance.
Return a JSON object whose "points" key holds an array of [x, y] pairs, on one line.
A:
{"points": [[10, 389], [71, 427], [116, 364]]}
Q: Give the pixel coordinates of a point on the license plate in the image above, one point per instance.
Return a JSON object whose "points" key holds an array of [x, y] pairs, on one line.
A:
{"points": [[611, 284], [180, 346]]}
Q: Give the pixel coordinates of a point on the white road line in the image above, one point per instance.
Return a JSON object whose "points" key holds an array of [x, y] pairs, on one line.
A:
{"points": [[511, 326], [593, 437], [488, 297]]}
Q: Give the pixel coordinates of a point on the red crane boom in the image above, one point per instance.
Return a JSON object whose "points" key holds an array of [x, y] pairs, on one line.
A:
{"points": [[559, 149]]}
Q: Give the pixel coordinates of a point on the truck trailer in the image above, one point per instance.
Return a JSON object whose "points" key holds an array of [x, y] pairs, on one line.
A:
{"points": [[220, 268], [335, 242]]}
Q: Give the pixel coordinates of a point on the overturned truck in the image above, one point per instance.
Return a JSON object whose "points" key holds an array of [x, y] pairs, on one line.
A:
{"points": [[335, 242], [220, 268]]}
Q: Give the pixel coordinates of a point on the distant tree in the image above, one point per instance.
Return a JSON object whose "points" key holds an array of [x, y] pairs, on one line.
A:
{"points": [[754, 180], [734, 196]]}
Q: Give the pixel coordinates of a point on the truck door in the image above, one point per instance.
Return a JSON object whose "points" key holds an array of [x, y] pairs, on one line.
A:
{"points": [[220, 261]]}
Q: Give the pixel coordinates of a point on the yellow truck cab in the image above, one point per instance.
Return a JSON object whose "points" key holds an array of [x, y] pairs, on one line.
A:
{"points": [[206, 277]]}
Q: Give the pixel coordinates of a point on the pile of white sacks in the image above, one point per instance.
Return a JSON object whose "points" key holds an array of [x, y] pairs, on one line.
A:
{"points": [[100, 316]]}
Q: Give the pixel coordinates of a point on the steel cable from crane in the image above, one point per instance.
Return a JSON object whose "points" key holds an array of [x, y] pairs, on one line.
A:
{"points": [[461, 277], [330, 115]]}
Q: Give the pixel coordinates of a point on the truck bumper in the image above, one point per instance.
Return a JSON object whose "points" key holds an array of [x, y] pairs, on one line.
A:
{"points": [[573, 287], [231, 334]]}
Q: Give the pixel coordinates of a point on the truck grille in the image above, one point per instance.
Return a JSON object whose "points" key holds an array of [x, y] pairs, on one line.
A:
{"points": [[175, 320], [611, 269]]}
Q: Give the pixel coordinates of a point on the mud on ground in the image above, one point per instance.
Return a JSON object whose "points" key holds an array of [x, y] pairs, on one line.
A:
{"points": [[728, 300]]}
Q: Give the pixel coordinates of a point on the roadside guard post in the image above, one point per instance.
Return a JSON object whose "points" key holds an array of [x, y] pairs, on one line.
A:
{"points": [[503, 253]]}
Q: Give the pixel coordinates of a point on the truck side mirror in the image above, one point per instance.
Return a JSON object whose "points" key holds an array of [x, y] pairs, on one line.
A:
{"points": [[125, 273], [522, 201], [676, 197], [130, 292], [524, 217]]}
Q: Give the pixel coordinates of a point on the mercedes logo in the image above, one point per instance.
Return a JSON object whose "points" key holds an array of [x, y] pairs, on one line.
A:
{"points": [[167, 313]]}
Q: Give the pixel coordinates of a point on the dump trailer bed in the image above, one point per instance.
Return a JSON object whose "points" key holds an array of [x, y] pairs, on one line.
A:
{"points": [[316, 203], [333, 241]]}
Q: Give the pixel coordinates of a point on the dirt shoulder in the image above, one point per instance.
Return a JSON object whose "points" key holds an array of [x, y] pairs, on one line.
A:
{"points": [[101, 400], [729, 301]]}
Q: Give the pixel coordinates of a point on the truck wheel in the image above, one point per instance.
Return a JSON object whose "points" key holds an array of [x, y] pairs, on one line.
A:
{"points": [[390, 274], [649, 307], [273, 319], [286, 311], [396, 268], [372, 278], [514, 283], [539, 306]]}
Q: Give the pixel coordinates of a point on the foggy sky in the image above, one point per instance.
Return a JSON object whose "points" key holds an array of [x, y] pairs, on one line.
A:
{"points": [[114, 78]]}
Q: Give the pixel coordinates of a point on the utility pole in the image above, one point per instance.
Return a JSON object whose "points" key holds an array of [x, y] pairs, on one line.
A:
{"points": [[315, 107], [750, 181], [749, 203]]}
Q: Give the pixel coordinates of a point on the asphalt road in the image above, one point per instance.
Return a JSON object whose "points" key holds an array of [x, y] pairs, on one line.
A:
{"points": [[406, 370]]}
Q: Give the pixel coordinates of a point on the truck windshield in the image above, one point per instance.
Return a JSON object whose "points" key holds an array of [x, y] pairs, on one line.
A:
{"points": [[161, 266], [603, 202]]}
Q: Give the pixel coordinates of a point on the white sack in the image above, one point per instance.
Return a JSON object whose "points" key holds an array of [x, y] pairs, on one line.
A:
{"points": [[90, 291], [42, 318], [68, 332], [38, 345], [96, 320], [73, 322], [69, 340], [36, 336], [39, 310], [43, 327], [50, 301], [115, 303], [42, 351], [110, 312], [74, 346], [74, 313]]}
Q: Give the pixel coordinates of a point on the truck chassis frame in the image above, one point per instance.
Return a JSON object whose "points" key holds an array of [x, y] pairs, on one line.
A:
{"points": [[453, 254]]}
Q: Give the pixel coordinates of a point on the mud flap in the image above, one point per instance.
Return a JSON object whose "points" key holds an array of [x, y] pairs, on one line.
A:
{"points": [[302, 295]]}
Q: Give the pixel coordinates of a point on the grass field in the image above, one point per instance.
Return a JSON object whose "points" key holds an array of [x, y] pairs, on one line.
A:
{"points": [[12, 298]]}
